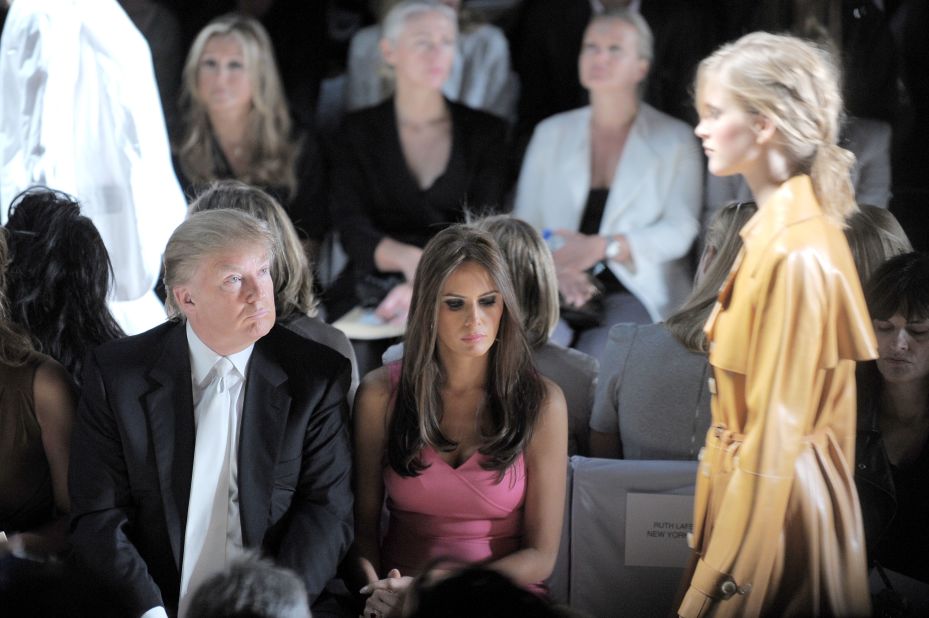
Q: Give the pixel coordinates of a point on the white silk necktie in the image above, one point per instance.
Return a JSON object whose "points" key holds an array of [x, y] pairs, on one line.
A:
{"points": [[208, 509]]}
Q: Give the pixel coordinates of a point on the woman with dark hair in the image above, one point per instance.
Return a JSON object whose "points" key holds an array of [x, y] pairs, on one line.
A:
{"points": [[36, 411], [892, 471], [59, 278], [465, 439], [660, 370]]}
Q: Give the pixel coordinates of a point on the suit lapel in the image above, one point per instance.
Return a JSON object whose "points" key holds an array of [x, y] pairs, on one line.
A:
{"points": [[264, 419], [637, 159], [576, 167], [170, 410]]}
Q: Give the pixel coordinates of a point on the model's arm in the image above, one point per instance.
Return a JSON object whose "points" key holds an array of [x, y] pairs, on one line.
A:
{"points": [[319, 532], [783, 387], [546, 472], [101, 500]]}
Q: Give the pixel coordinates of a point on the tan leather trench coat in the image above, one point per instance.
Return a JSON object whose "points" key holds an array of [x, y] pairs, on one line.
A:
{"points": [[777, 524]]}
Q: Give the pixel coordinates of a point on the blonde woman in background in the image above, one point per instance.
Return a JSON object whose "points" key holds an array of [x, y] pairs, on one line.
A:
{"points": [[480, 77], [236, 124]]}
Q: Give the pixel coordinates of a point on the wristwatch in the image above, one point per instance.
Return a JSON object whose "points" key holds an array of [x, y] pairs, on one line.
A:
{"points": [[613, 247]]}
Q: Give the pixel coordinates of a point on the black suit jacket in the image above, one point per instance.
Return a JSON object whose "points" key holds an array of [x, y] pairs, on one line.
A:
{"points": [[132, 460]]}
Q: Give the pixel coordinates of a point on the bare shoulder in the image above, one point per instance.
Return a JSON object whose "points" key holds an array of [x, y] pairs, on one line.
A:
{"points": [[554, 401], [53, 391], [373, 395]]}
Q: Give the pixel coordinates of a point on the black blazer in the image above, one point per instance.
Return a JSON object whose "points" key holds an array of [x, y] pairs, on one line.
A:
{"points": [[373, 194], [132, 460]]}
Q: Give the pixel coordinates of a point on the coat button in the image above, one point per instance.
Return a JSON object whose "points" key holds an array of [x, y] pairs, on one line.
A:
{"points": [[728, 588]]}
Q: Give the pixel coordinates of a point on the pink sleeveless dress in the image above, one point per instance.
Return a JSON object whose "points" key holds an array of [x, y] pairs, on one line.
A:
{"points": [[462, 513]]}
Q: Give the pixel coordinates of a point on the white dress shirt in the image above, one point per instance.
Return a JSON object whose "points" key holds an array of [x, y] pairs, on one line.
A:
{"points": [[202, 361]]}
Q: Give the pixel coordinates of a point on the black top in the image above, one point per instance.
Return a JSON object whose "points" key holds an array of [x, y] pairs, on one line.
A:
{"points": [[590, 224], [306, 206], [374, 194], [894, 500]]}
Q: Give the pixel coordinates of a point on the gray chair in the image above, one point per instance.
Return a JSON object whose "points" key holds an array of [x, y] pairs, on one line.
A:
{"points": [[592, 573]]}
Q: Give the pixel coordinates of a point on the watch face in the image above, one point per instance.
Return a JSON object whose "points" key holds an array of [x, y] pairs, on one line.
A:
{"points": [[612, 249]]}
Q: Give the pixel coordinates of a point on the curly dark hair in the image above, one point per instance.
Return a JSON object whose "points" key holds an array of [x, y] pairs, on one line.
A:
{"points": [[59, 277]]}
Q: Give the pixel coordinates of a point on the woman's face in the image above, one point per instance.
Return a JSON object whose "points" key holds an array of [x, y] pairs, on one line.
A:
{"points": [[223, 83], [424, 51], [903, 349], [729, 134], [470, 309], [609, 57]]}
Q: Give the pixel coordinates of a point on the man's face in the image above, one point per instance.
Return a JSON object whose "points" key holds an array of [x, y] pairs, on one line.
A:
{"points": [[229, 301]]}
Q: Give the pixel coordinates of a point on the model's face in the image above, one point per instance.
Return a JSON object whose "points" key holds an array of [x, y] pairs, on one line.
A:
{"points": [[609, 57], [223, 84], [470, 309], [424, 51], [229, 301], [729, 134], [903, 348]]}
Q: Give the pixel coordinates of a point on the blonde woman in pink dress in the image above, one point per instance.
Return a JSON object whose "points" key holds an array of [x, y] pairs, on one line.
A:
{"points": [[465, 439]]}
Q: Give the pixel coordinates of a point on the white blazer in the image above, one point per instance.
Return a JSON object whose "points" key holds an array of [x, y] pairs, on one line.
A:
{"points": [[654, 199]]}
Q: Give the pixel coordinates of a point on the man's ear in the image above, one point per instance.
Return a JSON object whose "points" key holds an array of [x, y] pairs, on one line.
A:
{"points": [[182, 298]]}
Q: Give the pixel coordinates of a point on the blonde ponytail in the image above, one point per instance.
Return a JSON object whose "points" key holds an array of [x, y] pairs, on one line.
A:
{"points": [[832, 181]]}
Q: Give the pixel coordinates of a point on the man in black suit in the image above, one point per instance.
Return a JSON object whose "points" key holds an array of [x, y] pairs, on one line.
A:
{"points": [[210, 434]]}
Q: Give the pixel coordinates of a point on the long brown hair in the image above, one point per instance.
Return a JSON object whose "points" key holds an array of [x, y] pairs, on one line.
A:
{"points": [[514, 388], [722, 237], [532, 272]]}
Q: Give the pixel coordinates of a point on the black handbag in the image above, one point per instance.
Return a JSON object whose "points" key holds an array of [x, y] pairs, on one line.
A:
{"points": [[588, 315]]}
